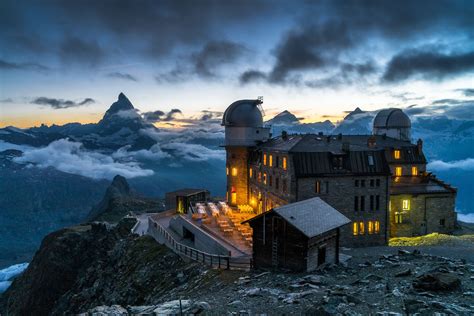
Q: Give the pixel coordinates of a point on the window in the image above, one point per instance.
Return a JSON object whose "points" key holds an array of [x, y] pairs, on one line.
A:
{"points": [[362, 183], [398, 171], [355, 229], [270, 160], [277, 183], [264, 159], [406, 205], [377, 227], [277, 161], [414, 171], [259, 176], [233, 198], [234, 172], [371, 202], [227, 170], [370, 227], [356, 183], [442, 222], [317, 187], [327, 187], [362, 203], [264, 178], [398, 218], [377, 202], [284, 163], [370, 160], [372, 182], [377, 182], [361, 228], [396, 154], [284, 186], [270, 180], [250, 172], [356, 203]]}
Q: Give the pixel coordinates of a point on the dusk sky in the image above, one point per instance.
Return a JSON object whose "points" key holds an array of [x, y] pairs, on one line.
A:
{"points": [[66, 61]]}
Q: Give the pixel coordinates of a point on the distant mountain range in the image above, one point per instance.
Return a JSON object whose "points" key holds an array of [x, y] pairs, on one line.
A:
{"points": [[55, 175]]}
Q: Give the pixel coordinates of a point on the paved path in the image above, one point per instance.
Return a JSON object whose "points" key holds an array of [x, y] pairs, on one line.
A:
{"points": [[142, 227]]}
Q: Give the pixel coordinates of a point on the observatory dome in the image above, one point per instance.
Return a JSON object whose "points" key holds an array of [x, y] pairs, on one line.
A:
{"points": [[243, 113], [392, 118]]}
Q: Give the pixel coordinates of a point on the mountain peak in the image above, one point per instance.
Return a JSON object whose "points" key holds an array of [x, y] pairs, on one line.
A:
{"points": [[284, 118], [122, 104], [356, 111]]}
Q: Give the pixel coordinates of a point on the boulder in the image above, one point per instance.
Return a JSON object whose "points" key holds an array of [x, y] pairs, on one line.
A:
{"points": [[437, 282]]}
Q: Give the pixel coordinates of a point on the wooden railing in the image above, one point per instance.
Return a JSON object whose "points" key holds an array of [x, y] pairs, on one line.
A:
{"points": [[213, 260]]}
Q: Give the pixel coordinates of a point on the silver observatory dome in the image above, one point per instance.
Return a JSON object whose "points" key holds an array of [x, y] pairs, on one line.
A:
{"points": [[243, 113], [392, 118]]}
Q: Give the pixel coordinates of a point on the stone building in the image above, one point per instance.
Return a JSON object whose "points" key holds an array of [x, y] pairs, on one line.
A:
{"points": [[378, 181]]}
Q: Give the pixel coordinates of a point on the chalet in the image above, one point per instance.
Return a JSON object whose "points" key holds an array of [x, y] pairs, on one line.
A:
{"points": [[299, 236]]}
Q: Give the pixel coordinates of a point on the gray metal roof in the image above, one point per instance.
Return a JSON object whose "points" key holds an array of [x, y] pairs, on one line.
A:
{"points": [[419, 185], [312, 217], [391, 118], [243, 113]]}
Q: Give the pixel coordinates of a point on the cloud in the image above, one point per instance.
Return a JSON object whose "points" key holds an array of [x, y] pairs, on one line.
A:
{"points": [[427, 64], [467, 92], [121, 75], [75, 50], [155, 153], [215, 54], [466, 164], [61, 103], [71, 157], [466, 218], [250, 76], [157, 116], [7, 65], [194, 152]]}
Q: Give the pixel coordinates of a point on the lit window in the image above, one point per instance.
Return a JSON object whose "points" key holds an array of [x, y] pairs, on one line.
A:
{"points": [[264, 159], [398, 218], [265, 178], [377, 227], [398, 171], [270, 161], [284, 163], [234, 172], [414, 171], [227, 170], [396, 154], [361, 228], [317, 187], [406, 205], [370, 227], [233, 196], [259, 176], [355, 229], [250, 172]]}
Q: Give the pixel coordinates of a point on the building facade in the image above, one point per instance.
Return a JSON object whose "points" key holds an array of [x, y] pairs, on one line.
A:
{"points": [[378, 181]]}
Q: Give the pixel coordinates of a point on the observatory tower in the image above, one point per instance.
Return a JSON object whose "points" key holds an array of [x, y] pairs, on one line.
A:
{"points": [[394, 123], [243, 122]]}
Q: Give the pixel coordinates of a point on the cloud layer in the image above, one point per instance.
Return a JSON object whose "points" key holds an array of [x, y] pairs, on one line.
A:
{"points": [[58, 104], [466, 164]]}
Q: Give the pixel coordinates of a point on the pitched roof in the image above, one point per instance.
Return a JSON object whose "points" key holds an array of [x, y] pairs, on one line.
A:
{"points": [[312, 217]]}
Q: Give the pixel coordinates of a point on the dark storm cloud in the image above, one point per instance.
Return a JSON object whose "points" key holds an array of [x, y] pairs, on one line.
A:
{"points": [[160, 116], [215, 54], [80, 51], [60, 103], [427, 64], [207, 116], [252, 76], [7, 65], [467, 92], [123, 76]]}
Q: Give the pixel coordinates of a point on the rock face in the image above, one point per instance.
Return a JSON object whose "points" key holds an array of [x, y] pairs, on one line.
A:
{"points": [[437, 282], [119, 200], [82, 267]]}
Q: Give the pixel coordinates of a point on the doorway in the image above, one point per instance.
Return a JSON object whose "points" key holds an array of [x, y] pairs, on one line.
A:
{"points": [[321, 255]]}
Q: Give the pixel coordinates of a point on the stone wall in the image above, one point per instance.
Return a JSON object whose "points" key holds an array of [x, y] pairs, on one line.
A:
{"points": [[328, 240], [340, 193], [237, 157], [426, 214]]}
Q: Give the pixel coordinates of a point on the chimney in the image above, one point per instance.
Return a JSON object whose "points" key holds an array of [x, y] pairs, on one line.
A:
{"points": [[371, 141], [284, 135], [320, 134], [419, 144]]}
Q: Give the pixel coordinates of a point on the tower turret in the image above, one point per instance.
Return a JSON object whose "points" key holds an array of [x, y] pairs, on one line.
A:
{"points": [[243, 122], [393, 123]]}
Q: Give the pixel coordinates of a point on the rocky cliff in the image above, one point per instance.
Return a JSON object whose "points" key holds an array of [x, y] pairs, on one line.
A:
{"points": [[119, 200], [81, 267]]}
